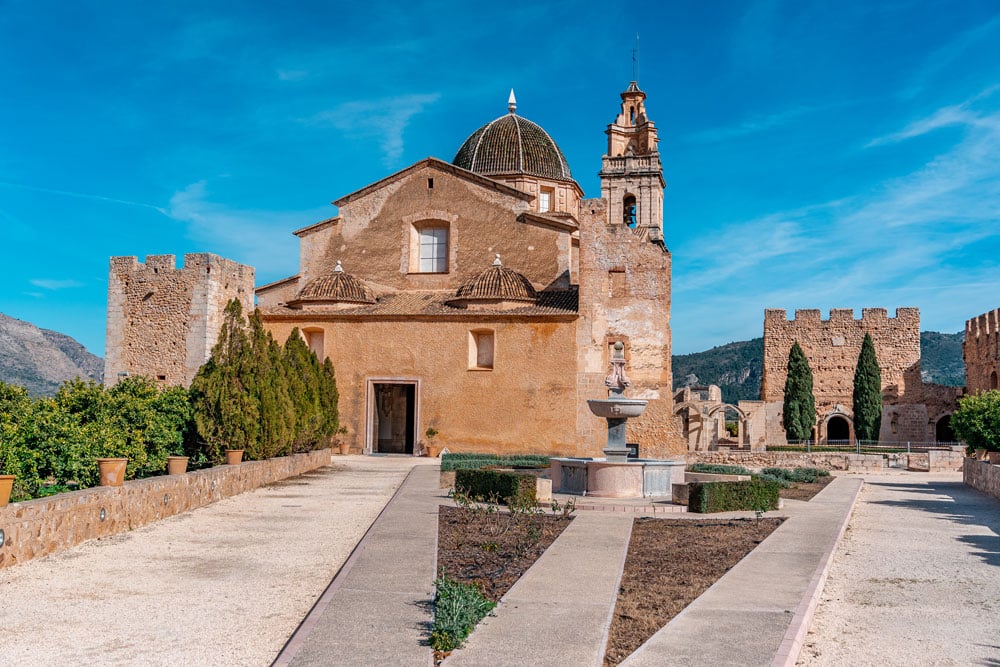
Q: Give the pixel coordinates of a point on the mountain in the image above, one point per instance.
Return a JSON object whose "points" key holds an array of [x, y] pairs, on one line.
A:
{"points": [[40, 359], [941, 358], [736, 368]]}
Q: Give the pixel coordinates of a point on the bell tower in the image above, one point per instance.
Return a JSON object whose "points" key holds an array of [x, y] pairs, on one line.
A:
{"points": [[631, 173]]}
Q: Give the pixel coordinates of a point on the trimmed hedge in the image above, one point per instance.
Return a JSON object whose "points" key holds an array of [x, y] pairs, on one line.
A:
{"points": [[718, 469], [709, 497], [802, 475], [494, 485], [475, 461]]}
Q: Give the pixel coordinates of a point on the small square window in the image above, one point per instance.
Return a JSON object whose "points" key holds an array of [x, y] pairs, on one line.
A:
{"points": [[545, 200]]}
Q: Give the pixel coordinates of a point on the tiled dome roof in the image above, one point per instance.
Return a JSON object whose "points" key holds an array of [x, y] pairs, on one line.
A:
{"points": [[513, 145], [497, 282], [337, 286]]}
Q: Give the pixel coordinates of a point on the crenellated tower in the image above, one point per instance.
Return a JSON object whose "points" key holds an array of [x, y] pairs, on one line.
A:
{"points": [[631, 174]]}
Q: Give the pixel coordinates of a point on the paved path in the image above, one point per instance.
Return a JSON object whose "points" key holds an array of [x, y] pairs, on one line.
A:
{"points": [[916, 579], [223, 585]]}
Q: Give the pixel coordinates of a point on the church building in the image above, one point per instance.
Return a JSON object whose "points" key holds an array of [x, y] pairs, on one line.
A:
{"points": [[478, 298]]}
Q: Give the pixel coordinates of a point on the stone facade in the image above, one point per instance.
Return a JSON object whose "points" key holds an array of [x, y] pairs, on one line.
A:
{"points": [[981, 351], [49, 525], [911, 410], [164, 320]]}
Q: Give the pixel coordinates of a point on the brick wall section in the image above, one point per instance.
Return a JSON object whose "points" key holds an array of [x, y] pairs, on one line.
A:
{"points": [[981, 351], [982, 476], [164, 320], [49, 525]]}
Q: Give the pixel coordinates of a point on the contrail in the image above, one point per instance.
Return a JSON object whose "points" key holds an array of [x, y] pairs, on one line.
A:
{"points": [[82, 195]]}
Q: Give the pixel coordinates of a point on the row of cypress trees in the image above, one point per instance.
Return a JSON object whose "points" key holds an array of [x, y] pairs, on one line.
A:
{"points": [[262, 397], [799, 409]]}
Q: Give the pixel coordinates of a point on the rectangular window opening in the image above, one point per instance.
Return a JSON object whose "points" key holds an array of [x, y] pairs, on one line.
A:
{"points": [[430, 183], [434, 250]]}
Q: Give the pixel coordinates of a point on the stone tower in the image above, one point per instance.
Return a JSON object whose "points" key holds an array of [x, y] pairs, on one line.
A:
{"points": [[631, 174], [162, 320]]}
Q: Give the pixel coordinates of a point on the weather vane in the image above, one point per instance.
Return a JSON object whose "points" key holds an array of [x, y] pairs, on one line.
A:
{"points": [[635, 60]]}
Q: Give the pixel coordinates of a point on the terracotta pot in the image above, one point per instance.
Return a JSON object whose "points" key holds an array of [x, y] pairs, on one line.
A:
{"points": [[345, 448], [6, 485], [177, 465], [234, 457], [433, 451], [112, 471], [995, 458]]}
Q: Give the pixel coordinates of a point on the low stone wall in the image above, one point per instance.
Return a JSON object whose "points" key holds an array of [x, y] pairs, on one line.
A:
{"points": [[48, 525], [827, 461], [982, 476], [933, 461]]}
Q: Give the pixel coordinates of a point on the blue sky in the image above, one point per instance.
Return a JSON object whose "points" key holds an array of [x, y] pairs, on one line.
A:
{"points": [[817, 154]]}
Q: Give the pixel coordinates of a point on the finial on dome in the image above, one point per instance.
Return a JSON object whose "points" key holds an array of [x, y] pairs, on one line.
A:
{"points": [[338, 268], [511, 102], [497, 262]]}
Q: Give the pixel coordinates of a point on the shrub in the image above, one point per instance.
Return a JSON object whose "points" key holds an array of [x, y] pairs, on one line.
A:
{"points": [[510, 488], [458, 608], [780, 480], [977, 421], [474, 461], [718, 469], [708, 497]]}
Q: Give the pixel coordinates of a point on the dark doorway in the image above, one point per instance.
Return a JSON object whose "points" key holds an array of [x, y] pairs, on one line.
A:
{"points": [[393, 416], [838, 429], [942, 431]]}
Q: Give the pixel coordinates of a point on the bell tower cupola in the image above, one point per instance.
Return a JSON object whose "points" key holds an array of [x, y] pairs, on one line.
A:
{"points": [[631, 173]]}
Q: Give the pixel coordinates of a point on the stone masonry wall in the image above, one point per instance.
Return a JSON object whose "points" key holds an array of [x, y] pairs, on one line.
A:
{"points": [[982, 476], [163, 320], [49, 525], [832, 347], [981, 351], [625, 295]]}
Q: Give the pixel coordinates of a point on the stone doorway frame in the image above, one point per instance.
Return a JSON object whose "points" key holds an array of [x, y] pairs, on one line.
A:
{"points": [[370, 383]]}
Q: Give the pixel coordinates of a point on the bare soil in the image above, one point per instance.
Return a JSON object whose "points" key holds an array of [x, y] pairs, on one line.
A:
{"points": [[671, 562], [802, 491]]}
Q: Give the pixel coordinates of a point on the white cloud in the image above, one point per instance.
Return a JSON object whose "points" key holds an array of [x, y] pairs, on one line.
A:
{"points": [[383, 120], [50, 284], [262, 239]]}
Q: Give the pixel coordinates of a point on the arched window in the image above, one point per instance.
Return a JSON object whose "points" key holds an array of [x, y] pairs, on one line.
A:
{"points": [[629, 210]]}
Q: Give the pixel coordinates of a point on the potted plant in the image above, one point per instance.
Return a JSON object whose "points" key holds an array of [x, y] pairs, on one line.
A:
{"points": [[177, 465], [6, 486], [430, 449], [341, 440], [112, 471], [234, 457]]}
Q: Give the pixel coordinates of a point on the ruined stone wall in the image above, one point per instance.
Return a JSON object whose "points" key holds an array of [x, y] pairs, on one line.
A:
{"points": [[625, 295], [526, 404], [981, 351], [163, 320], [49, 525], [832, 347]]}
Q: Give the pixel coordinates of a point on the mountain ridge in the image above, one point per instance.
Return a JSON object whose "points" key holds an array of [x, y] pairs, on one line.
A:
{"points": [[41, 359]]}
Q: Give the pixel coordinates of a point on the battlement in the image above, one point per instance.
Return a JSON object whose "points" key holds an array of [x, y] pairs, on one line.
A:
{"points": [[874, 316], [195, 261], [984, 325]]}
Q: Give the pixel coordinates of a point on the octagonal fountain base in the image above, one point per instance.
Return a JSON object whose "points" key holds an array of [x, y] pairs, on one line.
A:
{"points": [[635, 478]]}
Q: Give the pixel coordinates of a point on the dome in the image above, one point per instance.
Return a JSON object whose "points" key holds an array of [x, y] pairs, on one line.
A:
{"points": [[513, 145], [497, 283], [337, 287]]}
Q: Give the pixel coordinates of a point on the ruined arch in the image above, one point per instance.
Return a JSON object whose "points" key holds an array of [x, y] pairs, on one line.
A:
{"points": [[942, 429], [742, 424], [839, 427]]}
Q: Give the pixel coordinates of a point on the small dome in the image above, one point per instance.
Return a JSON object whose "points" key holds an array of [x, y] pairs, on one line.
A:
{"points": [[497, 283], [337, 287], [513, 145]]}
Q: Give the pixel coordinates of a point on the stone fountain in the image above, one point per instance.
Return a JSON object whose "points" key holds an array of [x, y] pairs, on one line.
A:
{"points": [[617, 476]]}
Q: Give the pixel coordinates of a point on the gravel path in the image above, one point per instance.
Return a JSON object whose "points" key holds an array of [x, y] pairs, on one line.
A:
{"points": [[223, 585], [916, 579]]}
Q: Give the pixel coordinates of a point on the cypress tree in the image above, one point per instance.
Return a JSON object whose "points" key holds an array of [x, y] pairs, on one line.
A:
{"points": [[799, 409], [269, 382], [303, 371], [226, 411], [867, 393], [328, 397]]}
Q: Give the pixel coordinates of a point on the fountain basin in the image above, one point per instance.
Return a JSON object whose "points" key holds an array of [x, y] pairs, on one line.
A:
{"points": [[617, 408], [635, 478]]}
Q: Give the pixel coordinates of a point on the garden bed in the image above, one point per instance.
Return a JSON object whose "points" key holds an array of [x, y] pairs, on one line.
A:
{"points": [[805, 491]]}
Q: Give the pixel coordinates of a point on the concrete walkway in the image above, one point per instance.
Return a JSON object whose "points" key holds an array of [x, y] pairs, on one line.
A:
{"points": [[223, 585], [916, 579], [377, 611]]}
